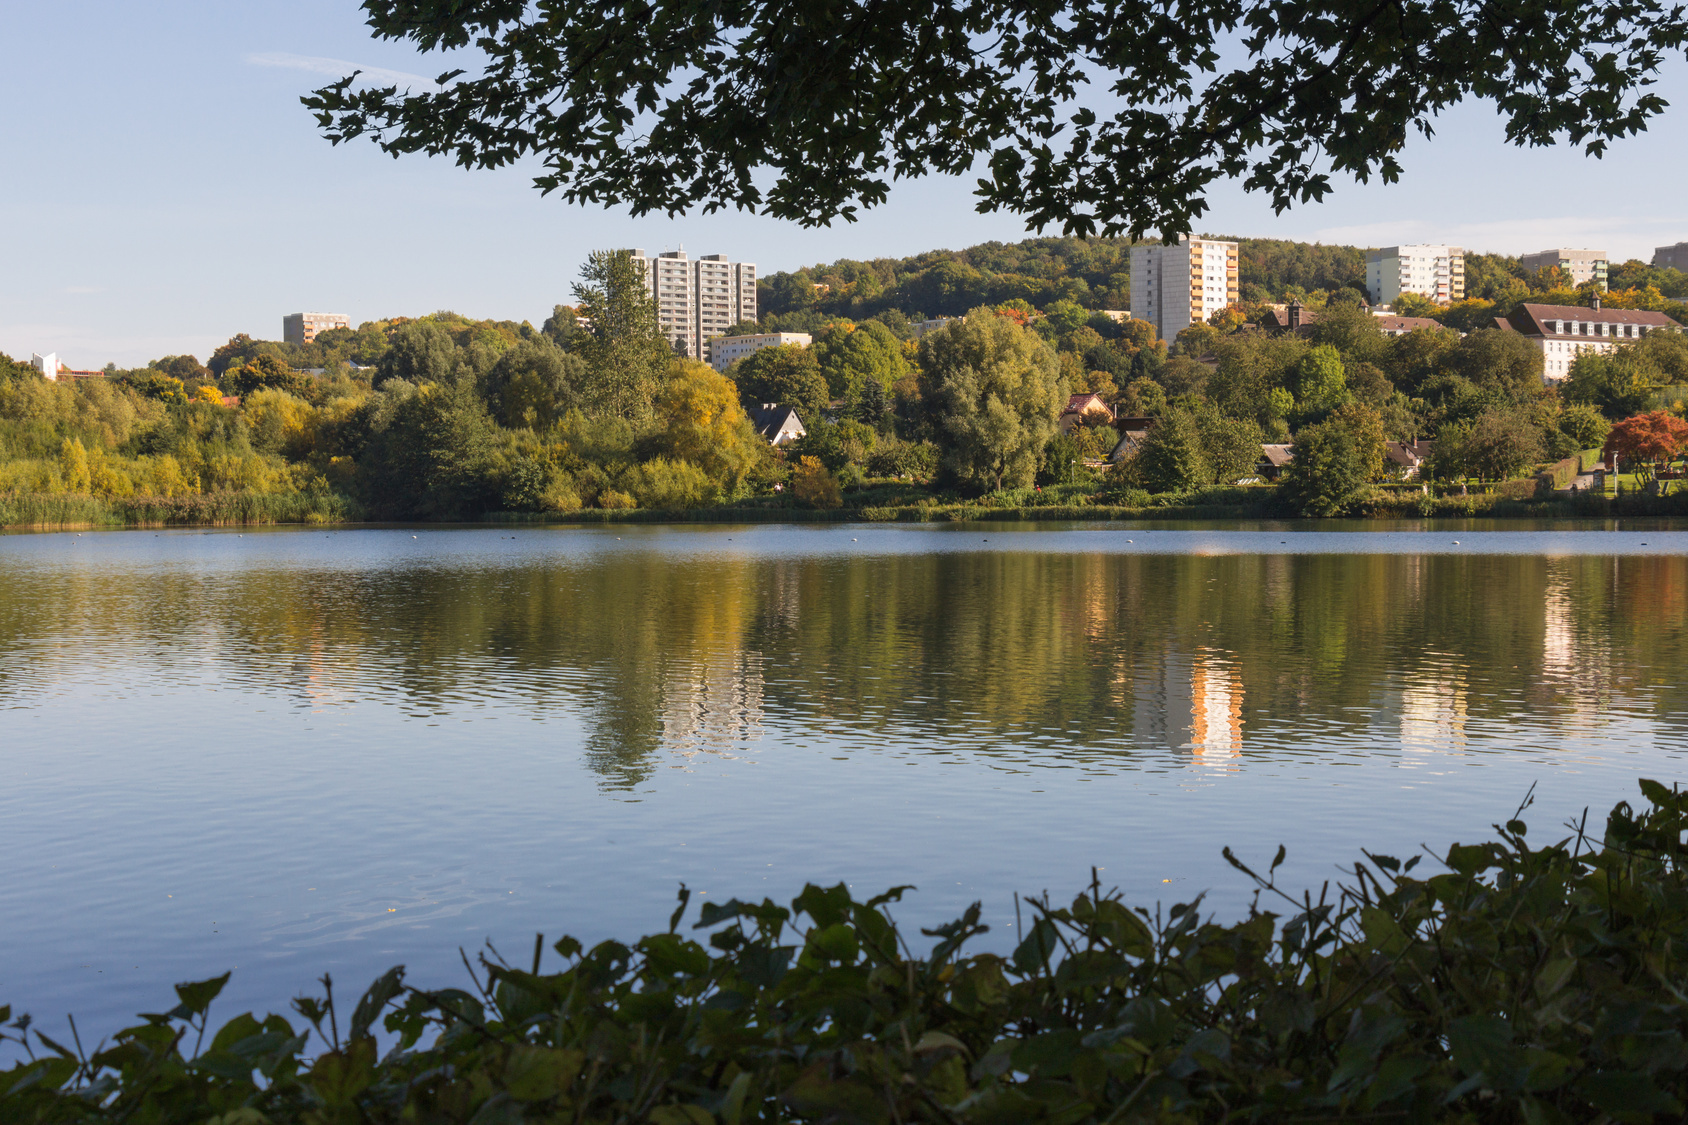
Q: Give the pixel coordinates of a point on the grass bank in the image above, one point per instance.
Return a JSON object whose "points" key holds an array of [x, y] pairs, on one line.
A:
{"points": [[1516, 983], [215, 509], [1214, 504]]}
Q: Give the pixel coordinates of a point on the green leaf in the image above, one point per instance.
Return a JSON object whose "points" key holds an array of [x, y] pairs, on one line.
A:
{"points": [[1626, 1092], [533, 1074], [836, 942], [338, 1077], [374, 1001], [196, 996], [241, 1027], [671, 955]]}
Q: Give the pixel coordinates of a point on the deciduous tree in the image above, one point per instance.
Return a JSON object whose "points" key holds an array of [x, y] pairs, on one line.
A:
{"points": [[995, 391]]}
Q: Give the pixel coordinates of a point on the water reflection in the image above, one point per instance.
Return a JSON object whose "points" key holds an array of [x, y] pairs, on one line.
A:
{"points": [[291, 753], [1092, 659]]}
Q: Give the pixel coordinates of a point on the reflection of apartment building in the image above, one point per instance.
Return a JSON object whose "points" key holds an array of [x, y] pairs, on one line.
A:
{"points": [[1192, 703], [1563, 332], [1436, 272], [713, 706], [700, 298], [302, 328], [724, 351], [1173, 287], [1216, 708], [1581, 266], [1433, 715]]}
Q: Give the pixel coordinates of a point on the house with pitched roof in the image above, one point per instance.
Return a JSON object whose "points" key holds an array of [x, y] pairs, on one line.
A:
{"points": [[1391, 325], [1084, 408], [1563, 332], [778, 423]]}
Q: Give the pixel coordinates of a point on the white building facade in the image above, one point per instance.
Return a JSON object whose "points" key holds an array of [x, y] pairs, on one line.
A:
{"points": [[1581, 266], [698, 298], [1173, 287], [1436, 272], [724, 351], [1563, 332], [47, 364]]}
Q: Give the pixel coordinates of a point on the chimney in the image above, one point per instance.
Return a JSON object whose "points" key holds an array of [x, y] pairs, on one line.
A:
{"points": [[1597, 302]]}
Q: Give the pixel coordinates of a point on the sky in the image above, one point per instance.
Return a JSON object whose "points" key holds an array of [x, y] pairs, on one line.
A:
{"points": [[166, 190]]}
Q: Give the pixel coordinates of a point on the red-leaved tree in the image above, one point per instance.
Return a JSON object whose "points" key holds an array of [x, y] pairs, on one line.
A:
{"points": [[1650, 441]]}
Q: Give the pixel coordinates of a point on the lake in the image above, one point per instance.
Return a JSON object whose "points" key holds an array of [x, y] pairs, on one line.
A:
{"points": [[285, 752]]}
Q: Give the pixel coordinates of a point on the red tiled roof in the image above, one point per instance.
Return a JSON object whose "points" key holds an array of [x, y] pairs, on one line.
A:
{"points": [[1406, 323], [1532, 319]]}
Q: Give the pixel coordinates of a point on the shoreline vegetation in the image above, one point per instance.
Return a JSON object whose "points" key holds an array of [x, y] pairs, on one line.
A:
{"points": [[1519, 984], [927, 391], [35, 512]]}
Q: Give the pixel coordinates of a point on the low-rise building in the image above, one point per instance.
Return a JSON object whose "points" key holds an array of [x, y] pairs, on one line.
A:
{"points": [[1391, 325], [921, 327], [1133, 430], [778, 423], [1563, 332], [1407, 456], [1274, 459], [724, 351], [1293, 317], [302, 328], [1581, 266], [1082, 408]]}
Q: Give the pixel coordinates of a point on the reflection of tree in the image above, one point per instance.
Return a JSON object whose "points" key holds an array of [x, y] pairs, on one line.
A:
{"points": [[1078, 657]]}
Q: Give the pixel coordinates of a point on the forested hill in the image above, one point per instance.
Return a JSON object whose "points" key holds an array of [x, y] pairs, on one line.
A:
{"points": [[1093, 272]]}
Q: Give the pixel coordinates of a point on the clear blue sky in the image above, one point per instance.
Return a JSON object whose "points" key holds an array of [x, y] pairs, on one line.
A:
{"points": [[165, 190]]}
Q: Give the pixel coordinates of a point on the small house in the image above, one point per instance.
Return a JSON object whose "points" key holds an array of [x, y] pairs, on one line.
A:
{"points": [[1085, 408], [1273, 458], [1406, 456], [779, 424], [1132, 431]]}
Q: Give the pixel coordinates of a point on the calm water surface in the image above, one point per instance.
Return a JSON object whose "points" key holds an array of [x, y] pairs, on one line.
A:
{"points": [[292, 752]]}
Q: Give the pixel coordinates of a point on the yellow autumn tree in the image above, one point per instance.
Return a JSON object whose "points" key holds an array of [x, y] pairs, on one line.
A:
{"points": [[703, 424]]}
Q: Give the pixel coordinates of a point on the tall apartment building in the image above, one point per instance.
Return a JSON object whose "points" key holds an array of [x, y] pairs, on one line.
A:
{"points": [[1581, 266], [1173, 287], [697, 299], [1672, 257], [1436, 272], [302, 328]]}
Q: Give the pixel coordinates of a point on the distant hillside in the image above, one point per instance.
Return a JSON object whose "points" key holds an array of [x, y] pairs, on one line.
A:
{"points": [[1093, 273]]}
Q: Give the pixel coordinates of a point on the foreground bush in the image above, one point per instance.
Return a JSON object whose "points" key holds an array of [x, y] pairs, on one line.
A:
{"points": [[1529, 985]]}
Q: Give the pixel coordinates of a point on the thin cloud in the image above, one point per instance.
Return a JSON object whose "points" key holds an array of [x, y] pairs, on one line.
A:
{"points": [[340, 68], [1622, 237]]}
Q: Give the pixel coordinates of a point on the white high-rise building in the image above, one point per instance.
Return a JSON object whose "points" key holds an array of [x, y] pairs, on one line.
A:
{"points": [[47, 364], [1436, 272], [697, 299], [1173, 287]]}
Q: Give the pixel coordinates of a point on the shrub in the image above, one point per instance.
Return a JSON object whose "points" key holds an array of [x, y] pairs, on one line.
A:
{"points": [[669, 485], [814, 485], [611, 498], [1521, 984]]}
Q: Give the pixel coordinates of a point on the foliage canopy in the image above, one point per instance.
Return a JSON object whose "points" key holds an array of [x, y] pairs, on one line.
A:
{"points": [[665, 105]]}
